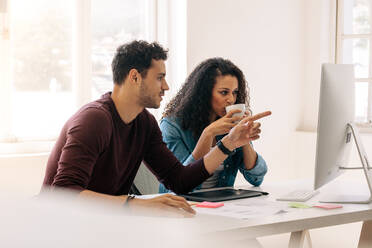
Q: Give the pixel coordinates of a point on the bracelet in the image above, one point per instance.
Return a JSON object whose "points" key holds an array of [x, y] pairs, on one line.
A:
{"points": [[224, 149], [129, 198]]}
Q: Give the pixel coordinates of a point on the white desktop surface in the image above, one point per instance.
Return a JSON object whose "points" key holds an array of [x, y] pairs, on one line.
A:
{"points": [[62, 222], [293, 221]]}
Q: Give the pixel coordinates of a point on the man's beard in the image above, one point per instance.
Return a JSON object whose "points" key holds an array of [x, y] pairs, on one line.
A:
{"points": [[145, 99]]}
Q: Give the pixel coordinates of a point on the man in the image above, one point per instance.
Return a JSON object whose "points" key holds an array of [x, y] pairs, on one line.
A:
{"points": [[101, 146]]}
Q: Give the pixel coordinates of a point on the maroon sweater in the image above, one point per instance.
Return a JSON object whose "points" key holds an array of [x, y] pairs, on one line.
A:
{"points": [[97, 151]]}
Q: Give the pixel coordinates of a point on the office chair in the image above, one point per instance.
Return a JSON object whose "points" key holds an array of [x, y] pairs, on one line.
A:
{"points": [[145, 182]]}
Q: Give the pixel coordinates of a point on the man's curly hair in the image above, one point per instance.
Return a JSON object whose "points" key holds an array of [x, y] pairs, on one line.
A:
{"points": [[192, 103], [135, 55]]}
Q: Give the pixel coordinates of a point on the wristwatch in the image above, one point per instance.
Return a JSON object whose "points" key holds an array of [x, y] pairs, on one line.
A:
{"points": [[224, 149], [129, 198]]}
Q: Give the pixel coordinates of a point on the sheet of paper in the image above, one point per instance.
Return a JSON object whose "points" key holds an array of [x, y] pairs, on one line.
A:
{"points": [[247, 208]]}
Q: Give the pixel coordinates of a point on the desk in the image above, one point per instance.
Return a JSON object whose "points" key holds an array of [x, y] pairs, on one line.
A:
{"points": [[294, 222], [61, 221]]}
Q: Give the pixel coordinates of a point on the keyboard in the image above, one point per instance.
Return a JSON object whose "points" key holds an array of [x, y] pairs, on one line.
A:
{"points": [[298, 195]]}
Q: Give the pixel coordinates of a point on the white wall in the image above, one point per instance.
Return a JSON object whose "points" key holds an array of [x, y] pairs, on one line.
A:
{"points": [[319, 48], [266, 39], [304, 159]]}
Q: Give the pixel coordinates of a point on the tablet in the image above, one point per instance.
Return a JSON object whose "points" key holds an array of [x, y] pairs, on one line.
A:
{"points": [[222, 195]]}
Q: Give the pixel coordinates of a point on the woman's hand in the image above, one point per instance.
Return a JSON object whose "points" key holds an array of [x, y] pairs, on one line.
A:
{"points": [[255, 131], [218, 127], [245, 131], [224, 124]]}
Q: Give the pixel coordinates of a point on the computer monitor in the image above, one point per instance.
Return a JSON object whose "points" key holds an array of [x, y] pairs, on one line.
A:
{"points": [[336, 130]]}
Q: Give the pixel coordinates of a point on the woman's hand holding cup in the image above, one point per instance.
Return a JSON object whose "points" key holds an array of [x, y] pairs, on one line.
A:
{"points": [[240, 106], [225, 123]]}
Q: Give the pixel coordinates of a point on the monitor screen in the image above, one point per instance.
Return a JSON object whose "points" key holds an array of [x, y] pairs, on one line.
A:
{"points": [[336, 110]]}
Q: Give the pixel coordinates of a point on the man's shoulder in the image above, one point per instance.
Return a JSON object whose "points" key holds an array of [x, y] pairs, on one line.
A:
{"points": [[96, 112], [102, 105], [91, 125]]}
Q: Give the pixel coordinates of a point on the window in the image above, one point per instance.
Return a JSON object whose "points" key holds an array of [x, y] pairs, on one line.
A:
{"points": [[108, 32], [41, 40], [56, 56], [354, 37]]}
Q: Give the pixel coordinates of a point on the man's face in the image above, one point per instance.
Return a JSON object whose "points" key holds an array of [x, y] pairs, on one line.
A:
{"points": [[153, 85]]}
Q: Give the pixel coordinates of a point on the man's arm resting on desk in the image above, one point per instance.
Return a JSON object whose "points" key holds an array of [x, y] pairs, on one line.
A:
{"points": [[167, 202]]}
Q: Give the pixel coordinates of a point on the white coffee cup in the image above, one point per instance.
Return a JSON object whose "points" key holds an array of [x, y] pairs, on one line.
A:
{"points": [[240, 106]]}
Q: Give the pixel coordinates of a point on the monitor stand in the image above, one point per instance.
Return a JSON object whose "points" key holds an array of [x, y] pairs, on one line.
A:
{"points": [[358, 199]]}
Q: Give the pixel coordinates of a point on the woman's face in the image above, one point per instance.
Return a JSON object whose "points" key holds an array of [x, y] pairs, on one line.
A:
{"points": [[224, 93]]}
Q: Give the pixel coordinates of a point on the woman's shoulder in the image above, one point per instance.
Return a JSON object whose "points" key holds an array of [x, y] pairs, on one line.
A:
{"points": [[170, 121], [172, 126]]}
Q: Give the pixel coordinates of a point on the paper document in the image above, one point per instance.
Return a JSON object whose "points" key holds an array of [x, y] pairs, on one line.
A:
{"points": [[247, 209]]}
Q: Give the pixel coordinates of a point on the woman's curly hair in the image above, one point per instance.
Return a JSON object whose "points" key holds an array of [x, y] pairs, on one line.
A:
{"points": [[193, 100]]}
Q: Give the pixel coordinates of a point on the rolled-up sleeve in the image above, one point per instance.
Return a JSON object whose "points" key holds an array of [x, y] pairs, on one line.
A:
{"points": [[190, 159], [255, 175]]}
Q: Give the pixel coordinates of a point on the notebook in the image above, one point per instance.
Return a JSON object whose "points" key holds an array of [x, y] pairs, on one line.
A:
{"points": [[224, 194]]}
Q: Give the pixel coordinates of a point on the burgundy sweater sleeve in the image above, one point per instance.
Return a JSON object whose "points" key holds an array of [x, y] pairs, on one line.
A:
{"points": [[169, 171], [87, 134]]}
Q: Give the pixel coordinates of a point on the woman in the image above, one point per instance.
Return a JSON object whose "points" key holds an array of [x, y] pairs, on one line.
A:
{"points": [[195, 119]]}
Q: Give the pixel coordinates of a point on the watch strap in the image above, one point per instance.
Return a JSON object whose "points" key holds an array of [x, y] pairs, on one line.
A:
{"points": [[224, 149], [129, 198]]}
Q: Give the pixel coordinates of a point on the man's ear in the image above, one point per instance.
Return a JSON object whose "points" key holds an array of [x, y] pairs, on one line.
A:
{"points": [[134, 76]]}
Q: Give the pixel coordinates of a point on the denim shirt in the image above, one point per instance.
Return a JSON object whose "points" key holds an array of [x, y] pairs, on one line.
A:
{"points": [[182, 143]]}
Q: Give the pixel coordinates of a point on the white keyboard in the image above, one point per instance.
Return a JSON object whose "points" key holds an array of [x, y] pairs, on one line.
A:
{"points": [[298, 195]]}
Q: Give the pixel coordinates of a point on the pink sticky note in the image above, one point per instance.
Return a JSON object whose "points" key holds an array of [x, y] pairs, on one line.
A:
{"points": [[206, 204], [328, 206]]}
